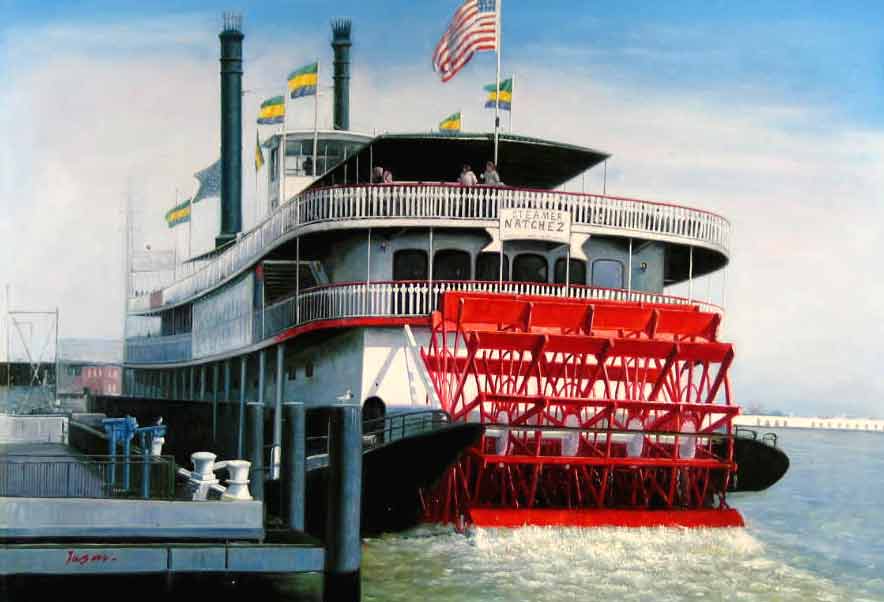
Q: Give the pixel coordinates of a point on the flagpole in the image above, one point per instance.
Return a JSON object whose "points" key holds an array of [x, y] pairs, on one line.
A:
{"points": [[283, 145], [316, 121], [497, 98], [127, 262], [512, 90], [189, 225]]}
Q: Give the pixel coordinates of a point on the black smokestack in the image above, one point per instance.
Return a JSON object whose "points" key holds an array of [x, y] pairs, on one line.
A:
{"points": [[231, 128], [341, 45]]}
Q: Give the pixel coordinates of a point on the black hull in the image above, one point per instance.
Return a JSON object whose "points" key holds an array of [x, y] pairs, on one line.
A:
{"points": [[392, 476], [759, 465]]}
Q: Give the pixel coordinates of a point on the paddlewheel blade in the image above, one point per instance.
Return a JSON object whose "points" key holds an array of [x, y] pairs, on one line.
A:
{"points": [[591, 410]]}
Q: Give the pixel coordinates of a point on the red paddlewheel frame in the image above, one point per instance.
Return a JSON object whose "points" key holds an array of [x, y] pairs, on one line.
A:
{"points": [[588, 406]]}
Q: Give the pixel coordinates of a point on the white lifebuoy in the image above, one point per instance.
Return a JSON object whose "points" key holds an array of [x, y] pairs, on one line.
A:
{"points": [[571, 440], [636, 444], [502, 444], [687, 447]]}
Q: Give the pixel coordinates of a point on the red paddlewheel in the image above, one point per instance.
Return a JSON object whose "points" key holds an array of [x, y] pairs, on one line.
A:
{"points": [[587, 405]]}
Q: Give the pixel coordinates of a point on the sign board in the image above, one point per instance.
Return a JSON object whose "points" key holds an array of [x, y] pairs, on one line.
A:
{"points": [[535, 224]]}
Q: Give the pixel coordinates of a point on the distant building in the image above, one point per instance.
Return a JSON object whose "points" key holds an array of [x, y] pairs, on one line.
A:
{"points": [[90, 364], [811, 422]]}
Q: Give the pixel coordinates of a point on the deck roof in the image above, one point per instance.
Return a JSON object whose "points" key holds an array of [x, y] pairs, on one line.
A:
{"points": [[438, 157]]}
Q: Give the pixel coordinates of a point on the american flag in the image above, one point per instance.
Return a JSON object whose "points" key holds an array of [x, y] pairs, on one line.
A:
{"points": [[472, 29]]}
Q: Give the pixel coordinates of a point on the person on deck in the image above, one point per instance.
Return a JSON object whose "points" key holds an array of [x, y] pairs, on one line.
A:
{"points": [[490, 177], [467, 177], [377, 175], [387, 177]]}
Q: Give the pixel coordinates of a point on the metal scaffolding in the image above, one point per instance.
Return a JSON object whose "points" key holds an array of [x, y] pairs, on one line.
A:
{"points": [[32, 346]]}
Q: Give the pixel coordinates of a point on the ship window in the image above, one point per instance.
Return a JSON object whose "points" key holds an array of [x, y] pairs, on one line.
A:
{"points": [[410, 264], [305, 277], [334, 151], [488, 266], [607, 273], [308, 369], [530, 267], [306, 168], [577, 272], [451, 265], [274, 164]]}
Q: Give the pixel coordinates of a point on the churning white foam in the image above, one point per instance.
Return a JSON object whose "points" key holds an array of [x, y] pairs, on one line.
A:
{"points": [[538, 563]]}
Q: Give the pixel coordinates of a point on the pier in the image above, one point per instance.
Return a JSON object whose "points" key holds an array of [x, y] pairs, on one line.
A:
{"points": [[68, 512]]}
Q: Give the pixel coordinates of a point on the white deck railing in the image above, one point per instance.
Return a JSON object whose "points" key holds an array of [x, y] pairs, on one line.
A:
{"points": [[401, 299], [475, 205], [420, 298]]}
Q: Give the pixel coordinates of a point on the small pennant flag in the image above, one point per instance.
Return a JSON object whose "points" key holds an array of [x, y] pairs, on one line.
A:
{"points": [[179, 214], [302, 82], [505, 96], [259, 154], [209, 182], [272, 111], [450, 123]]}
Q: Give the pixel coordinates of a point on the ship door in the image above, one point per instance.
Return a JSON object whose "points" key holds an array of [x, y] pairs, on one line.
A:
{"points": [[373, 412]]}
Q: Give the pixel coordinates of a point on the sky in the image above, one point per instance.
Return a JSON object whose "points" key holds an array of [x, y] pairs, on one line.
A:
{"points": [[771, 114]]}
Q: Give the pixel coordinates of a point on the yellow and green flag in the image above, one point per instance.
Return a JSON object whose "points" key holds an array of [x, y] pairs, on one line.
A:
{"points": [[272, 111], [505, 96], [450, 123], [302, 82], [179, 214], [259, 154]]}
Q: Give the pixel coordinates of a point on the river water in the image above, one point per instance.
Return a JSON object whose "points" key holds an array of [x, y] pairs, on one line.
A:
{"points": [[816, 535]]}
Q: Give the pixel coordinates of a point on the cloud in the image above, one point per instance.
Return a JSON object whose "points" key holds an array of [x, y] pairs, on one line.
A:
{"points": [[799, 182]]}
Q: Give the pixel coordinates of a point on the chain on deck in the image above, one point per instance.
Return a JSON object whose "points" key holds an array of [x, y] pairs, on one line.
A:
{"points": [[587, 405]]}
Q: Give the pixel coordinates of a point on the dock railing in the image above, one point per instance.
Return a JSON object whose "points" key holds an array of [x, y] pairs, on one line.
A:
{"points": [[386, 429], [62, 476]]}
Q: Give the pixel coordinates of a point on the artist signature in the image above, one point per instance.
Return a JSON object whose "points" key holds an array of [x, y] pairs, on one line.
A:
{"points": [[86, 558]]}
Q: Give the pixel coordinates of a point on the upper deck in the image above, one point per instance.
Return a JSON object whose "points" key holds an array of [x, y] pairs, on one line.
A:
{"points": [[441, 205]]}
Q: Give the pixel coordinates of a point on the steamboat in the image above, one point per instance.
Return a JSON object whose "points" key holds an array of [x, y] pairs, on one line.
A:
{"points": [[528, 326]]}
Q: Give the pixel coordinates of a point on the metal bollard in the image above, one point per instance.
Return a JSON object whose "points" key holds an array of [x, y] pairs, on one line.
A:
{"points": [[202, 478], [256, 448], [343, 555], [295, 463], [237, 481]]}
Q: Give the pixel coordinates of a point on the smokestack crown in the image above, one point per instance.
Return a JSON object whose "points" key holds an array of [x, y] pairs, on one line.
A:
{"points": [[232, 23], [341, 31]]}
